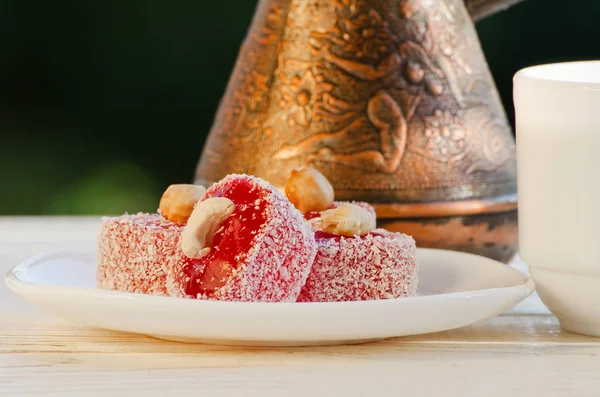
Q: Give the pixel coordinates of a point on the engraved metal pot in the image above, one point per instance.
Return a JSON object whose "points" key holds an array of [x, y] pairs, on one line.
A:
{"points": [[392, 100]]}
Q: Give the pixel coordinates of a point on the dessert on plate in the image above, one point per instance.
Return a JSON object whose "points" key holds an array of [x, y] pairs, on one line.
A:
{"points": [[375, 265], [355, 260], [240, 240], [243, 240]]}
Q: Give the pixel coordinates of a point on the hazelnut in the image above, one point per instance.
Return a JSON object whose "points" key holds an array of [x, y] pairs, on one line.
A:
{"points": [[348, 220], [309, 190], [178, 201]]}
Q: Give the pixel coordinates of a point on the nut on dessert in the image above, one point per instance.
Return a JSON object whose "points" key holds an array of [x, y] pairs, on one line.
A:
{"points": [[309, 190], [348, 220], [202, 225], [178, 201]]}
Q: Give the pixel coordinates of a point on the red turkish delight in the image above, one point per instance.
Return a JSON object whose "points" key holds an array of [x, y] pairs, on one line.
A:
{"points": [[262, 252]]}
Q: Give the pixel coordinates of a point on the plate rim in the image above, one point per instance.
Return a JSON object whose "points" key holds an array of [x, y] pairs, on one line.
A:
{"points": [[15, 284]]}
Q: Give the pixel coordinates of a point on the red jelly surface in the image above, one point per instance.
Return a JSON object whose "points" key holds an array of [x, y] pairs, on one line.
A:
{"points": [[232, 244], [315, 214], [311, 215], [319, 235]]}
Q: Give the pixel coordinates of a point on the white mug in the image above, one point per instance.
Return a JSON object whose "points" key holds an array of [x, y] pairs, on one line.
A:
{"points": [[557, 109]]}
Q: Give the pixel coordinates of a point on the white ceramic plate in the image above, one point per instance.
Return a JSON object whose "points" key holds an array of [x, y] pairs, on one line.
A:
{"points": [[455, 290]]}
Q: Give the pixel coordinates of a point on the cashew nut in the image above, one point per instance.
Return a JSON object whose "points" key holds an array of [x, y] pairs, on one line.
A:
{"points": [[309, 190], [348, 220], [205, 220]]}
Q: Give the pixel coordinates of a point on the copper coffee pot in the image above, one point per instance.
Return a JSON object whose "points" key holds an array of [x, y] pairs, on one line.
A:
{"points": [[392, 100]]}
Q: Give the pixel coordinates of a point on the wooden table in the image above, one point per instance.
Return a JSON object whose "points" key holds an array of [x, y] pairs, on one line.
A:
{"points": [[523, 352]]}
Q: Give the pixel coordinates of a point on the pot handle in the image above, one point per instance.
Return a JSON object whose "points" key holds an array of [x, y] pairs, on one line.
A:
{"points": [[481, 9]]}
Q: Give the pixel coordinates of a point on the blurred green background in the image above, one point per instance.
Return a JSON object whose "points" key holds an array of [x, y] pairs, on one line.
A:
{"points": [[105, 103]]}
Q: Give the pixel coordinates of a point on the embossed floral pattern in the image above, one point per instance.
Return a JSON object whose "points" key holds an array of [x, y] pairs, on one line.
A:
{"points": [[368, 35], [255, 87], [498, 146], [360, 32], [300, 95], [446, 138], [269, 34]]}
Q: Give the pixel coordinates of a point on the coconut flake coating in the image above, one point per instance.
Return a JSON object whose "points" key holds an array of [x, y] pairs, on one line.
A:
{"points": [[142, 253], [136, 253], [277, 265], [380, 265]]}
